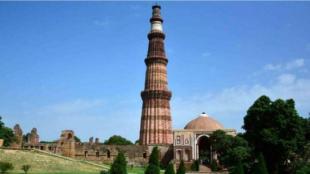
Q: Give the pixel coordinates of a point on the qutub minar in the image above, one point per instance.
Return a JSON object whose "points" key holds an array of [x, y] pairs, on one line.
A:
{"points": [[188, 144], [156, 117]]}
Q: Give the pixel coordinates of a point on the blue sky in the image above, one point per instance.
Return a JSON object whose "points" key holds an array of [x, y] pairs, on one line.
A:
{"points": [[80, 65]]}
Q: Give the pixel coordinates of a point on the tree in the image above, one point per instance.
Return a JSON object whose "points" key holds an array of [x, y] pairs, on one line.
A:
{"points": [[5, 166], [153, 167], [77, 139], [26, 168], [181, 169], [238, 169], [6, 134], [231, 150], [117, 140], [260, 166], [275, 129], [119, 165], [170, 169]]}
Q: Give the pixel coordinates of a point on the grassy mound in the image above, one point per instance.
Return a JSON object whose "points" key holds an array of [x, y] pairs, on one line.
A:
{"points": [[45, 164]]}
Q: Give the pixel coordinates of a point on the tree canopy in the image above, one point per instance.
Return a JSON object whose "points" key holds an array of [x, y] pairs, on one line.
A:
{"points": [[275, 129], [117, 140], [6, 134], [231, 150]]}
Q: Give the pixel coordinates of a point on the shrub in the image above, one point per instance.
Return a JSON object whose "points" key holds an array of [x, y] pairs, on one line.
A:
{"points": [[119, 165], [181, 169], [5, 166], [153, 167], [104, 172], [170, 169], [195, 166], [26, 168]]}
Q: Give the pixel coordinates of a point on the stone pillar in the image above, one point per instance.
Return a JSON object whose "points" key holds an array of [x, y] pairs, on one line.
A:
{"points": [[33, 137], [155, 125], [1, 142], [19, 137]]}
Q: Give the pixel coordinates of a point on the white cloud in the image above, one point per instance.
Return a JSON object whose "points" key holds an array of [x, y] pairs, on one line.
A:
{"points": [[292, 65], [272, 67], [297, 63], [229, 105], [286, 78]]}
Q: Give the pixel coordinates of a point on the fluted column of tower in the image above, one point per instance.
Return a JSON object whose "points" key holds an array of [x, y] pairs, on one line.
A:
{"points": [[156, 118]]}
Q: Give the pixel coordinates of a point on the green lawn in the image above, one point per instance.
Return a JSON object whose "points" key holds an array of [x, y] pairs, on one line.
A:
{"points": [[45, 164]]}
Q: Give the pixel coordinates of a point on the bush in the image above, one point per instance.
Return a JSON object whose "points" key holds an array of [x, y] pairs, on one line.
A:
{"points": [[153, 167], [119, 165], [181, 169], [104, 172], [5, 166], [26, 168], [170, 169], [195, 166]]}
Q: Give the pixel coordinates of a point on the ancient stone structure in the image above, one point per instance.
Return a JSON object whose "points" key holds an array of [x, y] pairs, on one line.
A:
{"points": [[1, 142], [192, 142], [66, 143], [33, 137], [19, 136], [155, 128]]}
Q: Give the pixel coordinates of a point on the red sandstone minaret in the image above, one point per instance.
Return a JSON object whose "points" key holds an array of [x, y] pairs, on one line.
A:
{"points": [[156, 118]]}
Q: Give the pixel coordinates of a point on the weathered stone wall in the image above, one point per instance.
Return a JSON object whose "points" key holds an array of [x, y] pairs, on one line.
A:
{"points": [[66, 144], [135, 154]]}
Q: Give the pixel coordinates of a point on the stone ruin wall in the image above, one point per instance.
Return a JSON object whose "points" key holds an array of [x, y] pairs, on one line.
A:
{"points": [[95, 151]]}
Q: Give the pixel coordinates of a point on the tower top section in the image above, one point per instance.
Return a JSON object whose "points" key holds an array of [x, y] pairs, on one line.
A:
{"points": [[156, 19]]}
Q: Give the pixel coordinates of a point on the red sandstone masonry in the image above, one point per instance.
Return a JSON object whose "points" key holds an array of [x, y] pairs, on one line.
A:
{"points": [[156, 117]]}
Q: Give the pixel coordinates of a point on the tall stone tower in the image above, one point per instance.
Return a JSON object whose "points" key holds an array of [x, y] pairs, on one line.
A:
{"points": [[156, 118]]}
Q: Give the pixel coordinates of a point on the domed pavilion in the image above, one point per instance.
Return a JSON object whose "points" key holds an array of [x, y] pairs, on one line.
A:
{"points": [[192, 142]]}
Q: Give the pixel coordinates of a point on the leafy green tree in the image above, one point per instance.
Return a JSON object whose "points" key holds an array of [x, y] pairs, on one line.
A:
{"points": [[238, 169], [119, 165], [260, 166], [5, 166], [6, 134], [117, 140], [275, 129], [26, 168], [153, 166], [170, 169], [181, 169], [231, 150]]}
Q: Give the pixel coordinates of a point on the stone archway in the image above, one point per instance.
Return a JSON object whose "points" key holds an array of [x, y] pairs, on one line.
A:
{"points": [[204, 149]]}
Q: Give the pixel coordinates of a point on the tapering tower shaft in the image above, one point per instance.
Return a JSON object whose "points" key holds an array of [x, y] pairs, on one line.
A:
{"points": [[156, 117]]}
